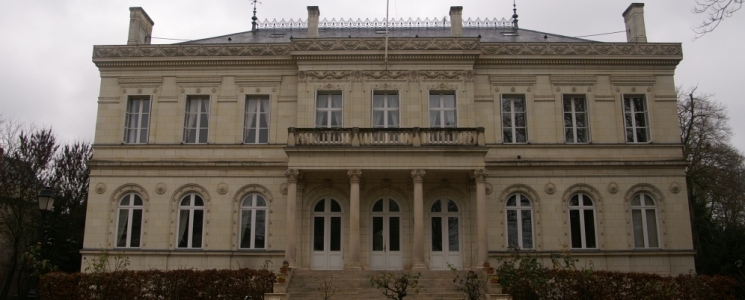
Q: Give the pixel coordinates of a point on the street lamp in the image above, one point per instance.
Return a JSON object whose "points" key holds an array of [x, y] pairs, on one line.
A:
{"points": [[46, 203]]}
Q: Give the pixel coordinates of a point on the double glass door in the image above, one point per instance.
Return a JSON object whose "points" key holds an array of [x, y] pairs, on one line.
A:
{"points": [[326, 251], [445, 235], [386, 251]]}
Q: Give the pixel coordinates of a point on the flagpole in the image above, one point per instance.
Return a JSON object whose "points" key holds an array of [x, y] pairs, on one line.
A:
{"points": [[386, 33]]}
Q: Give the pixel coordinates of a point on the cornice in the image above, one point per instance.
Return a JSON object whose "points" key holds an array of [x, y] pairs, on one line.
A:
{"points": [[591, 49], [194, 63], [379, 44], [552, 61], [423, 56], [191, 50], [305, 76]]}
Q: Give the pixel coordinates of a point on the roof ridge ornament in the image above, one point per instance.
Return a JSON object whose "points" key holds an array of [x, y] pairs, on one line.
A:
{"points": [[393, 23], [254, 19]]}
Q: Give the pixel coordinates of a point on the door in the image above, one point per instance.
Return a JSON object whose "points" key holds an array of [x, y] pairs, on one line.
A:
{"points": [[386, 251], [326, 246], [445, 235]]}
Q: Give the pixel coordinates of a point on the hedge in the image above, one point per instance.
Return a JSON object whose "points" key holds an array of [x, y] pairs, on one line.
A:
{"points": [[178, 284], [587, 284]]}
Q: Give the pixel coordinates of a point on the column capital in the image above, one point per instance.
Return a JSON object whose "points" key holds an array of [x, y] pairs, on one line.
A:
{"points": [[418, 175], [480, 175], [354, 175], [292, 175]]}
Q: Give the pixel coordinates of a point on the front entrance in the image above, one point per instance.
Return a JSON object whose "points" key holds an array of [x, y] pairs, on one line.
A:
{"points": [[386, 236], [445, 225], [326, 253]]}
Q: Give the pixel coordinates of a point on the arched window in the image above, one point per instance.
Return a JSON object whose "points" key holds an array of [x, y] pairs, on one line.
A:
{"points": [[253, 222], [644, 219], [582, 222], [129, 225], [190, 221], [519, 222]]}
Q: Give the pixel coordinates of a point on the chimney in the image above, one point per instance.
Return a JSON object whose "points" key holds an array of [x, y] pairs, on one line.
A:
{"points": [[634, 19], [140, 27], [313, 14], [456, 21]]}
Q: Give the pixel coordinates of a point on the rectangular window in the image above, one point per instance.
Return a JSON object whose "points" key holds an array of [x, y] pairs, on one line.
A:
{"points": [[385, 110], [442, 109], [635, 116], [256, 125], [329, 109], [137, 120], [575, 119], [514, 123], [196, 122]]}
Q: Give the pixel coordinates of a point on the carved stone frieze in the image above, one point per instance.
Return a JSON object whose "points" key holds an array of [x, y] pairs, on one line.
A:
{"points": [[379, 44], [191, 50], [581, 49], [305, 76]]}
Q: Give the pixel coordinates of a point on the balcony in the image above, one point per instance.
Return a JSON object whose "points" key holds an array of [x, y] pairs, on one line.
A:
{"points": [[402, 137]]}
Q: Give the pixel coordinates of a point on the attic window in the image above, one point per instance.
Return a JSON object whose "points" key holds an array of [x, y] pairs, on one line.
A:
{"points": [[277, 35]]}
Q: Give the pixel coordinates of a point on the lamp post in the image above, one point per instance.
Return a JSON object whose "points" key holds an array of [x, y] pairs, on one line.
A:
{"points": [[46, 203]]}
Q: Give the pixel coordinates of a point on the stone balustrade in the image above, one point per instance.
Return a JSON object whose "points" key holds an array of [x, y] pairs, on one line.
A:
{"points": [[414, 137]]}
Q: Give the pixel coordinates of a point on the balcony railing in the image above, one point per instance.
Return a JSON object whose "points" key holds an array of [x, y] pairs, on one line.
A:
{"points": [[356, 137]]}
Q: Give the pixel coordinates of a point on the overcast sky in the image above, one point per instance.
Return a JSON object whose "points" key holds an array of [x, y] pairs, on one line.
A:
{"points": [[48, 78]]}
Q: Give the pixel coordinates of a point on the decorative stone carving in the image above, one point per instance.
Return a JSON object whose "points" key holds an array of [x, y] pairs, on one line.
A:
{"points": [[214, 90], [674, 188], [550, 188], [528, 89], [139, 91], [418, 175], [574, 89], [480, 175], [292, 175], [258, 90], [512, 89], [283, 188], [222, 188], [160, 188], [589, 89], [649, 89], [633, 89], [191, 50], [354, 175], [199, 90], [587, 49], [393, 44], [489, 188], [100, 188], [124, 91], [612, 188], [496, 90], [305, 76], [155, 91]]}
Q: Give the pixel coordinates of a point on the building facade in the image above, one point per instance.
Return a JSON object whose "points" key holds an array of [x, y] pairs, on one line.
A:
{"points": [[333, 145]]}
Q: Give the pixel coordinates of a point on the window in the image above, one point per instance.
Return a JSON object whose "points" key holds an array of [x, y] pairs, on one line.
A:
{"points": [[442, 109], [519, 222], [256, 126], [385, 110], [575, 119], [635, 114], [137, 120], [328, 109], [253, 222], [514, 128], [190, 222], [644, 218], [582, 221], [196, 122], [129, 225]]}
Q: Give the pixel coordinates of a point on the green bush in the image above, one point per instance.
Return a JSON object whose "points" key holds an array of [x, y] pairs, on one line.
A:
{"points": [[177, 284]]}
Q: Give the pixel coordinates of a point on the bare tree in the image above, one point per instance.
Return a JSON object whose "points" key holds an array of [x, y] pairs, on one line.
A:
{"points": [[717, 11]]}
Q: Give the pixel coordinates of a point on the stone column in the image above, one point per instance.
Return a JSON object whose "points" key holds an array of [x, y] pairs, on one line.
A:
{"points": [[354, 219], [291, 222], [418, 249], [483, 253]]}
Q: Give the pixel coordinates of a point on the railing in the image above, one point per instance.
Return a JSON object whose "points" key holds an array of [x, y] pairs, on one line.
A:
{"points": [[414, 137]]}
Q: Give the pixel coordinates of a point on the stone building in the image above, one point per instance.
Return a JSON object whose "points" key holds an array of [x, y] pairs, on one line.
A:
{"points": [[333, 145]]}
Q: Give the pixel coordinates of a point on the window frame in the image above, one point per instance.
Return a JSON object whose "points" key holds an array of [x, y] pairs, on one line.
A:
{"points": [[633, 114], [573, 113], [130, 214], [252, 209], [385, 109], [513, 128], [329, 109], [257, 114], [519, 208], [643, 208], [581, 207], [442, 109], [190, 226], [138, 129], [199, 114]]}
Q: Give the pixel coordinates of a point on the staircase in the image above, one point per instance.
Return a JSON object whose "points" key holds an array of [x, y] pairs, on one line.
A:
{"points": [[437, 285]]}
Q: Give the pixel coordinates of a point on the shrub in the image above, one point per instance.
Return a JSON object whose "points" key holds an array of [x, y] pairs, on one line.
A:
{"points": [[395, 286], [177, 284]]}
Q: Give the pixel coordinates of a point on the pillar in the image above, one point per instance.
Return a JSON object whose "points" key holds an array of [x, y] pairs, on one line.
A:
{"points": [[291, 222], [418, 249], [354, 219], [483, 253]]}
